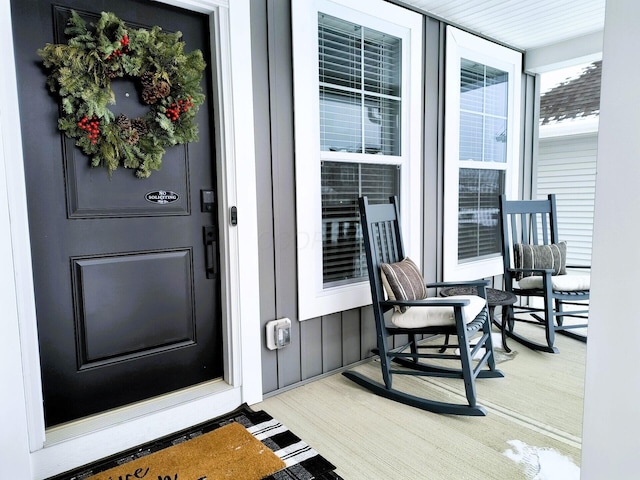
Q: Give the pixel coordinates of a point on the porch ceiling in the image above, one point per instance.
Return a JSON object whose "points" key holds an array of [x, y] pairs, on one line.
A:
{"points": [[522, 24]]}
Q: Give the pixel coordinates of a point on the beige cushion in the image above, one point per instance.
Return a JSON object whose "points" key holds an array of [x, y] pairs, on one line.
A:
{"points": [[562, 283], [417, 317], [403, 281]]}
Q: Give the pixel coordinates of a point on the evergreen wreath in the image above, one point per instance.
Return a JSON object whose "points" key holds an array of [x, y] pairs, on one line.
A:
{"points": [[81, 73]]}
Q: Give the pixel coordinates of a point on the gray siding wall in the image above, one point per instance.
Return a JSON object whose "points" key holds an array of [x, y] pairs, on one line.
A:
{"points": [[319, 345], [330, 343]]}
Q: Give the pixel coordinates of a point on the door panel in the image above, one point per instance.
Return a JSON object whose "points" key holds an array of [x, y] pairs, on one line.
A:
{"points": [[87, 188], [107, 292], [126, 307]]}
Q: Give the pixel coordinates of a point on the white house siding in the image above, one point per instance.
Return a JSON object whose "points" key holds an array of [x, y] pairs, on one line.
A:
{"points": [[566, 166]]}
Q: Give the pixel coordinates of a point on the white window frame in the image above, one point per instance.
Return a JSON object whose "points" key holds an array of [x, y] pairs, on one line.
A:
{"points": [[313, 299], [460, 45]]}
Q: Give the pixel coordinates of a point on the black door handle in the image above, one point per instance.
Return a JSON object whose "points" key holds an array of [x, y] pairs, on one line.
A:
{"points": [[210, 251]]}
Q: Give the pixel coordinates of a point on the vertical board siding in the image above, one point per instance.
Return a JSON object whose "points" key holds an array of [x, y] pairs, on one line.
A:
{"points": [[324, 344], [311, 348], [567, 167], [264, 186], [367, 332], [351, 336], [318, 345], [331, 342]]}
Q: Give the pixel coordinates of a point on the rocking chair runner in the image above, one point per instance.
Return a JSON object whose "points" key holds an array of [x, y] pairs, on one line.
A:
{"points": [[535, 266], [415, 316]]}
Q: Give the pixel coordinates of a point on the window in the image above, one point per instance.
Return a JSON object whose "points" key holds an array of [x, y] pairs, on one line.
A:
{"points": [[481, 151], [357, 71], [343, 257]]}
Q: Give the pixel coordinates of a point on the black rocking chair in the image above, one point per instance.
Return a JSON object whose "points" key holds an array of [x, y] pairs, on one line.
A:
{"points": [[415, 316], [535, 266]]}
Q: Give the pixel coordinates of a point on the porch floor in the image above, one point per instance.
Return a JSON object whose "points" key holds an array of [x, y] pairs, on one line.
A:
{"points": [[532, 430]]}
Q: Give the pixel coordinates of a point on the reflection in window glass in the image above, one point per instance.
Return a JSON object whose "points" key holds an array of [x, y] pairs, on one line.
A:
{"points": [[340, 120], [471, 143], [380, 129], [483, 138], [483, 112], [360, 108], [342, 183], [359, 74], [478, 210]]}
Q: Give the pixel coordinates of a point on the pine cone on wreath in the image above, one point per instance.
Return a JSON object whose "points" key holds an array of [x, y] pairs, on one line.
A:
{"points": [[123, 122], [162, 89], [146, 79], [140, 126], [149, 95], [133, 137]]}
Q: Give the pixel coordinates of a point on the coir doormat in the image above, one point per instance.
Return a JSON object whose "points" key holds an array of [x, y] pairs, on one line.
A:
{"points": [[242, 445]]}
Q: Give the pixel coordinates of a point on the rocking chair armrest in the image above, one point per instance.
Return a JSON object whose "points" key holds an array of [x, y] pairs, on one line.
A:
{"points": [[427, 302], [579, 266]]}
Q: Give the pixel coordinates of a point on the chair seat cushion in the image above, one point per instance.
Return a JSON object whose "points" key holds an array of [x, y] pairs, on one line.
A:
{"points": [[432, 316], [561, 283]]}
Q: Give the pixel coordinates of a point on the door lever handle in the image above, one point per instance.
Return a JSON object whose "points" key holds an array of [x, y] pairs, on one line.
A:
{"points": [[210, 251]]}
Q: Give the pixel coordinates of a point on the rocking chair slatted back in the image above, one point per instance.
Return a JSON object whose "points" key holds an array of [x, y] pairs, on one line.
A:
{"points": [[535, 222]]}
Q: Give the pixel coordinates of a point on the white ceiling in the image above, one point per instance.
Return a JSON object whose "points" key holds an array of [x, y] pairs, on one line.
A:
{"points": [[524, 24]]}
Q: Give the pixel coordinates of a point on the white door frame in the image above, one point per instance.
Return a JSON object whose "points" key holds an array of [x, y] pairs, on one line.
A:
{"points": [[65, 447]]}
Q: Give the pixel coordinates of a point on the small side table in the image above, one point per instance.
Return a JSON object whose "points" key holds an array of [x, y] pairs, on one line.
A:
{"points": [[495, 298]]}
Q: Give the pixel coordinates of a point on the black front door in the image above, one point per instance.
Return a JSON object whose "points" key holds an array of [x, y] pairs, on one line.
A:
{"points": [[127, 290]]}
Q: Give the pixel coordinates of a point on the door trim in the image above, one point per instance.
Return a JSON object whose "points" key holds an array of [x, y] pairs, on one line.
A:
{"points": [[238, 251]]}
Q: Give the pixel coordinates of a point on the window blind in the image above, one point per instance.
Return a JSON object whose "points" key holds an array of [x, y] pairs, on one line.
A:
{"points": [[359, 76], [360, 99], [342, 183], [483, 127], [478, 213], [483, 112]]}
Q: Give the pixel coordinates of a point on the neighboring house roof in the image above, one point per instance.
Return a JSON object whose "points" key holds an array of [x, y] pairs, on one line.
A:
{"points": [[574, 98]]}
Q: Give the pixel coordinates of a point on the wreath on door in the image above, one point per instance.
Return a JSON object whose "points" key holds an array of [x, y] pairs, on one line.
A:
{"points": [[168, 81]]}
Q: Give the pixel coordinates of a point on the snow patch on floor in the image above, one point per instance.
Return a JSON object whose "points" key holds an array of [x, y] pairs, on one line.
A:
{"points": [[542, 463]]}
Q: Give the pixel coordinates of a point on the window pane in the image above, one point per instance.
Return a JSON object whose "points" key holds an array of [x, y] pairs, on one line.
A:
{"points": [[495, 140], [496, 92], [381, 132], [478, 210], [483, 112], [471, 86], [343, 257], [382, 63], [471, 128], [355, 61], [339, 52], [340, 121]]}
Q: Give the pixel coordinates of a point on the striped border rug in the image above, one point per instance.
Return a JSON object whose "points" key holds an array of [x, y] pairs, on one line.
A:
{"points": [[302, 462]]}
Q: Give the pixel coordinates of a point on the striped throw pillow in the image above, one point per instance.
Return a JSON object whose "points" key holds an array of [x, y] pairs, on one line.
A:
{"points": [[540, 256], [403, 281]]}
